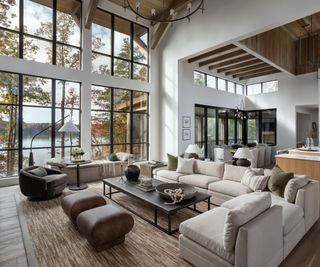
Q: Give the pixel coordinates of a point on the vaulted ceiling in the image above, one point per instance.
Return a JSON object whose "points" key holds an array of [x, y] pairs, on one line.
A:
{"points": [[293, 48]]}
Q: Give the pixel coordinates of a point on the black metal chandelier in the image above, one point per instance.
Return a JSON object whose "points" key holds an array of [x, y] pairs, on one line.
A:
{"points": [[172, 16]]}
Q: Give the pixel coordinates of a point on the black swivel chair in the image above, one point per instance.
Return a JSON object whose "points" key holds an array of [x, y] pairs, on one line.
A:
{"points": [[48, 185]]}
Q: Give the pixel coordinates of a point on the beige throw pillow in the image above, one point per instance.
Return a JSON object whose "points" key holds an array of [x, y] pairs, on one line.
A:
{"points": [[241, 215], [293, 186], [185, 165], [254, 181]]}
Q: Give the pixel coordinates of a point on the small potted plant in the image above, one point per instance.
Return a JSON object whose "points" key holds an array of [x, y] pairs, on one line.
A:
{"points": [[77, 153]]}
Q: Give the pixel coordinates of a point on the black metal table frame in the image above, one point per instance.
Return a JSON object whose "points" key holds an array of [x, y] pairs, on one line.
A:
{"points": [[168, 231], [78, 186]]}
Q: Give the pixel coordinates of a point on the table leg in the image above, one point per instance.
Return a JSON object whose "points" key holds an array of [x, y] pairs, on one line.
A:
{"points": [[110, 192], [194, 206], [209, 204], [78, 173], [104, 189], [169, 224], [155, 217]]}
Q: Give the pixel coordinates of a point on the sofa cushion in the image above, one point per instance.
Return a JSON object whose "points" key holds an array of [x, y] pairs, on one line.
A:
{"points": [[55, 180], [39, 171], [185, 165], [209, 168], [198, 180], [235, 173], [230, 188], [291, 213], [241, 215], [171, 175], [253, 181], [206, 230], [293, 186], [242, 200], [278, 180], [172, 162]]}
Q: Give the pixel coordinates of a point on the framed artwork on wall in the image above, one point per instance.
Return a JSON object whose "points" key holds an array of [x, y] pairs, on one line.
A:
{"points": [[186, 122], [186, 134]]}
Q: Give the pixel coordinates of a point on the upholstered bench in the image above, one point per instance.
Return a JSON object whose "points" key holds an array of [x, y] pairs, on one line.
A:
{"points": [[76, 203], [105, 226]]}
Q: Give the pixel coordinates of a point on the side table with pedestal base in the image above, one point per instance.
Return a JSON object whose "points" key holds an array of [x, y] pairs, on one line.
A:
{"points": [[78, 185]]}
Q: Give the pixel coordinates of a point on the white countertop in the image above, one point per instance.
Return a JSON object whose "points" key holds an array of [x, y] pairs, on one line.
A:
{"points": [[298, 156]]}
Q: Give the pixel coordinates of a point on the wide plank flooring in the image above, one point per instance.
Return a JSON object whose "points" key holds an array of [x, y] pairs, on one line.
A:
{"points": [[13, 253], [12, 250]]}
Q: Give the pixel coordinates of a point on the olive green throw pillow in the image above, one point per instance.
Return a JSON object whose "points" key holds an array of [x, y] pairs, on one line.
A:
{"points": [[278, 180], [172, 162], [113, 157]]}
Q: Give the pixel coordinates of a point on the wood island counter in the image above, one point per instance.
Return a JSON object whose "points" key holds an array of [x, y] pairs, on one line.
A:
{"points": [[300, 162]]}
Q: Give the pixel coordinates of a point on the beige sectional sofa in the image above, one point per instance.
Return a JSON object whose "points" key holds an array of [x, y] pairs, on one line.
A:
{"points": [[285, 223]]}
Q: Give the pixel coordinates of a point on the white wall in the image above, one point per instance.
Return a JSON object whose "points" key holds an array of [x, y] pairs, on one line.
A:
{"points": [[195, 94], [222, 22], [293, 91]]}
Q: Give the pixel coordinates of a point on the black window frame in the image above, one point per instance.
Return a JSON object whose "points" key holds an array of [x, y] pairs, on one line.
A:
{"points": [[113, 57], [53, 109], [112, 112], [244, 125], [206, 75], [22, 34]]}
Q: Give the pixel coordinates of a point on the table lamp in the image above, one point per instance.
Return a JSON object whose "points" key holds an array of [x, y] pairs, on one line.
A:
{"points": [[193, 150], [243, 154]]}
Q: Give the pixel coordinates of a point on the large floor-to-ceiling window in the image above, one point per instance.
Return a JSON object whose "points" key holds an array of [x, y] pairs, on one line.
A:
{"points": [[119, 122], [43, 31], [119, 47], [216, 126], [29, 104]]}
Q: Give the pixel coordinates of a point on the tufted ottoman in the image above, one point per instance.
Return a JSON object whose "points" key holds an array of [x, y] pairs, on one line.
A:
{"points": [[76, 203], [105, 226]]}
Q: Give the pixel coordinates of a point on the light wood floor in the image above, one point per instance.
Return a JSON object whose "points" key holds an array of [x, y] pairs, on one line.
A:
{"points": [[13, 254], [12, 250]]}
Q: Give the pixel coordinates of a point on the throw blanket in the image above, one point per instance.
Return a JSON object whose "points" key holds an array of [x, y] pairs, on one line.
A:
{"points": [[175, 194]]}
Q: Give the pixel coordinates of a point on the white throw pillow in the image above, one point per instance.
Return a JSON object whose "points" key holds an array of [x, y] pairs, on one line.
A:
{"points": [[241, 215], [293, 186], [185, 165], [254, 181]]}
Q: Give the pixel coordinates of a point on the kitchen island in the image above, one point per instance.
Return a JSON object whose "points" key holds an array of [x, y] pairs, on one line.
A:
{"points": [[300, 162]]}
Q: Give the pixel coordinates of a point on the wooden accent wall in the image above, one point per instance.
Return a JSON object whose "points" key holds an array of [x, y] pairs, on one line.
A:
{"points": [[275, 45], [303, 61]]}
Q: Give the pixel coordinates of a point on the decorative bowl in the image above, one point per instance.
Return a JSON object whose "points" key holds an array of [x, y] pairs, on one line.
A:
{"points": [[188, 190]]}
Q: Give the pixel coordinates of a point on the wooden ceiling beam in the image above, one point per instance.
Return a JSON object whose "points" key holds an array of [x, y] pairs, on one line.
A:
{"points": [[156, 37], [268, 68], [231, 61], [90, 13], [291, 33], [245, 69], [259, 74], [212, 53], [240, 65], [222, 57]]}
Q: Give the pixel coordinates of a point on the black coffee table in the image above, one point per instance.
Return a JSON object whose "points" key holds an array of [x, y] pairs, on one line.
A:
{"points": [[153, 199]]}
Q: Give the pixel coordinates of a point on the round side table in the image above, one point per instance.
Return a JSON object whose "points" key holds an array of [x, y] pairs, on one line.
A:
{"points": [[78, 185]]}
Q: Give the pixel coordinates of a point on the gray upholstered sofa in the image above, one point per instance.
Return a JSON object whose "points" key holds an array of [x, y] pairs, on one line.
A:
{"points": [[290, 221]]}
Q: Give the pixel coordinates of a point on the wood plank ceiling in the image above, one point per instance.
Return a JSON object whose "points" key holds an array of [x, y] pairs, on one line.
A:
{"points": [[234, 62]]}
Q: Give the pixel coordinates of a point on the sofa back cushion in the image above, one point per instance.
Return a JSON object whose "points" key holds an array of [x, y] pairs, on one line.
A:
{"points": [[39, 171], [242, 214], [253, 181], [185, 165], [293, 186], [209, 168], [278, 181], [235, 173], [172, 162]]}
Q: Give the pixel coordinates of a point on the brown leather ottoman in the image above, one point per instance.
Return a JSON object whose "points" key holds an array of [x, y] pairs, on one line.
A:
{"points": [[105, 227], [76, 203]]}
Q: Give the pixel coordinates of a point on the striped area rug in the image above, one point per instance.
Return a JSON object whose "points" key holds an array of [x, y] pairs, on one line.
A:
{"points": [[56, 241]]}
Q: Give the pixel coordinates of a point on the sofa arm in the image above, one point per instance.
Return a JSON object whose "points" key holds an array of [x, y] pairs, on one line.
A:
{"points": [[155, 170], [308, 199], [260, 241]]}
